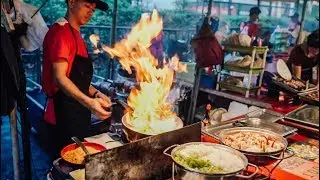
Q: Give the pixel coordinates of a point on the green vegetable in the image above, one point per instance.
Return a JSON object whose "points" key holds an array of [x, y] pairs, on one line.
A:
{"points": [[195, 162]]}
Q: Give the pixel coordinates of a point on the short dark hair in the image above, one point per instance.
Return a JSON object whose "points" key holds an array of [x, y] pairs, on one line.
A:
{"points": [[254, 10], [313, 39]]}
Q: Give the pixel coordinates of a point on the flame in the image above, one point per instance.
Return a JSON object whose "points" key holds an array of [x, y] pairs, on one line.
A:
{"points": [[148, 104], [94, 39]]}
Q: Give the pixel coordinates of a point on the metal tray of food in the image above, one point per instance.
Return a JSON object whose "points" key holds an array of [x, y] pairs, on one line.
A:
{"points": [[215, 130], [266, 115], [310, 97], [307, 114], [280, 82]]}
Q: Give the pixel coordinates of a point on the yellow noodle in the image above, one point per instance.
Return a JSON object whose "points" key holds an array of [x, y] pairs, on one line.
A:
{"points": [[77, 155]]}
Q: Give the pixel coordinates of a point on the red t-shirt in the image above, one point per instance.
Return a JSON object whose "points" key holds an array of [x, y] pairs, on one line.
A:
{"points": [[59, 43], [250, 28]]}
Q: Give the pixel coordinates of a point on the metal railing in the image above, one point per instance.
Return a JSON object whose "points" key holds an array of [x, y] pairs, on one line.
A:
{"points": [[33, 61]]}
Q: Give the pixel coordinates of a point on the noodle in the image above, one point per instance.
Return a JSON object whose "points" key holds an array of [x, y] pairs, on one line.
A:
{"points": [[77, 155]]}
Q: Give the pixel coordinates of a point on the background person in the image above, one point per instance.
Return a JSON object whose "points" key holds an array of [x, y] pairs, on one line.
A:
{"points": [[305, 58]]}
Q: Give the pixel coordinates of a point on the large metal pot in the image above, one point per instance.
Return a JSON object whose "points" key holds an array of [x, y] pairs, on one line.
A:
{"points": [[133, 135], [186, 173], [258, 158]]}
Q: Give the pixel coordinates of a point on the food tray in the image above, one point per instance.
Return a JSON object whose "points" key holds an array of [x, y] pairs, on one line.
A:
{"points": [[242, 90], [301, 115], [242, 49], [304, 97], [266, 115], [255, 70], [215, 130], [293, 90]]}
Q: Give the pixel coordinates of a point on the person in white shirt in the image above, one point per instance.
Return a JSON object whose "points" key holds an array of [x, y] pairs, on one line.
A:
{"points": [[294, 28]]}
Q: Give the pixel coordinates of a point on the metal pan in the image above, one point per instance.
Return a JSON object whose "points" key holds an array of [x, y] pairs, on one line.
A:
{"points": [[304, 97], [189, 173], [258, 158], [291, 89], [302, 115], [133, 135], [73, 146]]}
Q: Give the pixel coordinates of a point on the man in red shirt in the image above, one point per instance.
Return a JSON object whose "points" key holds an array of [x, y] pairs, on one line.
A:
{"points": [[67, 74], [252, 27]]}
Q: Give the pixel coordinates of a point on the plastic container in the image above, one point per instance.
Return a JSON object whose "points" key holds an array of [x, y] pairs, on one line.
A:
{"points": [[208, 81]]}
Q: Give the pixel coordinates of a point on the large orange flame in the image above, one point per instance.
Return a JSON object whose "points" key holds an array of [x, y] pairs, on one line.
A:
{"points": [[148, 103]]}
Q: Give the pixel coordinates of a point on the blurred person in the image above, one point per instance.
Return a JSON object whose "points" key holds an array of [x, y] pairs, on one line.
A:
{"points": [[252, 27], [304, 59], [294, 28], [156, 48], [213, 21], [266, 36], [67, 74], [223, 32]]}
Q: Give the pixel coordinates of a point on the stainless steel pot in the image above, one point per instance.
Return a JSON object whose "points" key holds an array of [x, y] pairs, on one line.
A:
{"points": [[258, 158], [133, 135], [186, 173]]}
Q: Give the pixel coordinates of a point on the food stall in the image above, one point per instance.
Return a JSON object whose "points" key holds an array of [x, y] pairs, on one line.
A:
{"points": [[153, 135]]}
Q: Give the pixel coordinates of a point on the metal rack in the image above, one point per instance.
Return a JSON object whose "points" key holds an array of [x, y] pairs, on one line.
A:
{"points": [[251, 70]]}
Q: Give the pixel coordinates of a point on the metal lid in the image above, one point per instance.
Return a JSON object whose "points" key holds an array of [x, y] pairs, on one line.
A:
{"points": [[283, 70]]}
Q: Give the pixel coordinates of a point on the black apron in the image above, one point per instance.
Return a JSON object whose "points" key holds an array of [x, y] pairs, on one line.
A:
{"points": [[72, 118]]}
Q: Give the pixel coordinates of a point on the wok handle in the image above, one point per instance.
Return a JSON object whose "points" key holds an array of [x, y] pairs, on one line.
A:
{"points": [[251, 175], [165, 152], [277, 158]]}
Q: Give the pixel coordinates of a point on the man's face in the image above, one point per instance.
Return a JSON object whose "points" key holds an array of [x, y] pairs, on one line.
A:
{"points": [[83, 11], [254, 17]]}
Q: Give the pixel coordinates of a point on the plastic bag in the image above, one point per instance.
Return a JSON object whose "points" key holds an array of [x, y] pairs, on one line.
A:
{"points": [[37, 28]]}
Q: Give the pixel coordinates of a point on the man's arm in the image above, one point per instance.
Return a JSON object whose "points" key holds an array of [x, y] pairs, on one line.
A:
{"points": [[97, 94], [68, 87], [296, 71]]}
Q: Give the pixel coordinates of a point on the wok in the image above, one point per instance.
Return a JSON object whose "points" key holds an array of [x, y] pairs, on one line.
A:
{"points": [[133, 135]]}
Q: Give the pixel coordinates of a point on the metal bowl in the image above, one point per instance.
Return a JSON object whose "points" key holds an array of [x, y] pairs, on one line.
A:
{"points": [[258, 158], [188, 173], [133, 135]]}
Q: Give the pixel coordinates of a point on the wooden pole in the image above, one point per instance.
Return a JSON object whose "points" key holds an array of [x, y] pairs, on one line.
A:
{"points": [[259, 3], [202, 10], [197, 5], [270, 8], [209, 8], [304, 8], [15, 143], [229, 7], [297, 5], [194, 97], [113, 35]]}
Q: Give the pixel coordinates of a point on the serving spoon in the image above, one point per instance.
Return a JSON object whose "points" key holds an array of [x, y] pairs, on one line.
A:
{"points": [[79, 143]]}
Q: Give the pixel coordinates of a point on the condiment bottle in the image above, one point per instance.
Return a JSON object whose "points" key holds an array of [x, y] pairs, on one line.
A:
{"points": [[259, 42], [206, 120]]}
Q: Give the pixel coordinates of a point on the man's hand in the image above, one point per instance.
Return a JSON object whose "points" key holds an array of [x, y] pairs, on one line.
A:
{"points": [[97, 107], [104, 97]]}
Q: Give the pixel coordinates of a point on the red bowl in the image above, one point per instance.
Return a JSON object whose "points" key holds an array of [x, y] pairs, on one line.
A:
{"points": [[73, 146]]}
